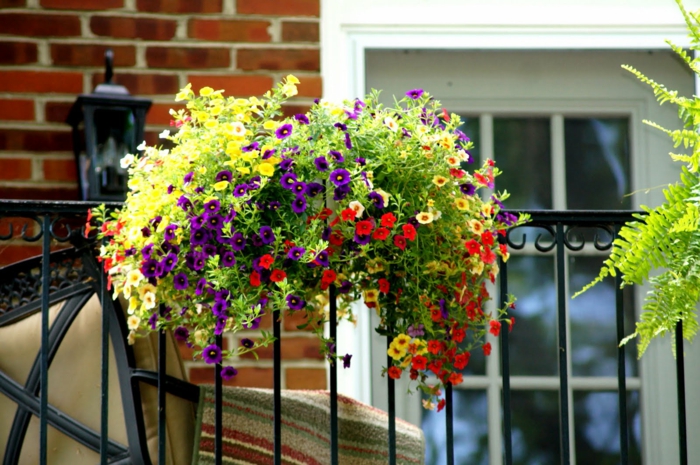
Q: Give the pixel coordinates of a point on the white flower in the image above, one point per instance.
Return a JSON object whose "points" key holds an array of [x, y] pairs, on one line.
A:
{"points": [[131, 338], [238, 129], [141, 147], [164, 134], [424, 217], [357, 208], [391, 123], [127, 161], [133, 322], [149, 300]]}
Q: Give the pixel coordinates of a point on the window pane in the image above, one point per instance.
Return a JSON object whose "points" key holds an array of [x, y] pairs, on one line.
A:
{"points": [[593, 322], [522, 150], [536, 427], [470, 126], [597, 163], [470, 430], [533, 348], [597, 427]]}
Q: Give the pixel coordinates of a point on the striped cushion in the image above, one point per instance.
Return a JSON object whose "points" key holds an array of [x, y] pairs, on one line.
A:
{"points": [[248, 436]]}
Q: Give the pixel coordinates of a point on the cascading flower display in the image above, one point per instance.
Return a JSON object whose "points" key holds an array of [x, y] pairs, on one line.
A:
{"points": [[251, 212]]}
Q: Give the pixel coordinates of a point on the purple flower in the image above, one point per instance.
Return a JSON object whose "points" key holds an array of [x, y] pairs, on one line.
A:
{"points": [[322, 258], [443, 309], [321, 163], [212, 354], [288, 179], [376, 199], [295, 302], [256, 240], [341, 126], [336, 156], [299, 187], [230, 216], [303, 119], [346, 360], [240, 190], [415, 94], [181, 333], [326, 234], [150, 268], [361, 239], [188, 177], [219, 308], [345, 287], [169, 262], [284, 131], [199, 236], [238, 242], [340, 177], [171, 188], [227, 373], [201, 284], [313, 189], [286, 164], [274, 205], [180, 282], [220, 325], [209, 250], [215, 222], [146, 231], [341, 192], [348, 143], [197, 222], [153, 321], [461, 136], [255, 324], [267, 235], [247, 343], [224, 175], [212, 206], [251, 147], [299, 204], [295, 253], [147, 250], [360, 161], [254, 183], [169, 234], [268, 153], [184, 203], [467, 189], [416, 331]]}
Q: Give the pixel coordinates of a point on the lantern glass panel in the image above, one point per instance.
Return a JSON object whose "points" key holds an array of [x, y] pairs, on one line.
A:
{"points": [[114, 136]]}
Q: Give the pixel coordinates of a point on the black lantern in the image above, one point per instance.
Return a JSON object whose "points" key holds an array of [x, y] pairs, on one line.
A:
{"points": [[112, 126]]}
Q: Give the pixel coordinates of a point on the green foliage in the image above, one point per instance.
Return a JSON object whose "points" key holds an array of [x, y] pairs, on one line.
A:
{"points": [[662, 247]]}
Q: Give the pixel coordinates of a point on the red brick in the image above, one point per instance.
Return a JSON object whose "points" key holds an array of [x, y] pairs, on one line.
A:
{"points": [[153, 138], [35, 140], [17, 53], [15, 169], [294, 31], [82, 4], [16, 109], [179, 57], [246, 377], [143, 84], [39, 25], [133, 28], [310, 86], [91, 55], [13, 253], [160, 113], [41, 82], [306, 378], [291, 110], [242, 85], [57, 112], [279, 59], [12, 3], [17, 225], [37, 193], [229, 30], [293, 348], [292, 321], [179, 6], [60, 170], [278, 7]]}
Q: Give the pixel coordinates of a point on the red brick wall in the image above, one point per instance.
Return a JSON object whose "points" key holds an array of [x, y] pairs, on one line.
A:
{"points": [[52, 50]]}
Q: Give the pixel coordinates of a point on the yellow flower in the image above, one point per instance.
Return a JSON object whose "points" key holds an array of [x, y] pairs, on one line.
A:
{"points": [[396, 352], [402, 340], [477, 268], [462, 204], [292, 79], [269, 125], [133, 278], [266, 169], [205, 91], [221, 185], [210, 124], [185, 93], [133, 303], [424, 217], [452, 160], [148, 287], [439, 180], [476, 226], [371, 295], [243, 170]]}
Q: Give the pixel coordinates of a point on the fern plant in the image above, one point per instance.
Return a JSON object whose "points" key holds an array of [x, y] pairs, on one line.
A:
{"points": [[662, 246]]}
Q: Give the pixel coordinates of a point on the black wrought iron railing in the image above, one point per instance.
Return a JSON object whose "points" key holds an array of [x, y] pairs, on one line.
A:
{"points": [[33, 285]]}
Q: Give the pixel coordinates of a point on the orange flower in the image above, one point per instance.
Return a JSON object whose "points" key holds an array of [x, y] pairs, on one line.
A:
{"points": [[394, 372]]}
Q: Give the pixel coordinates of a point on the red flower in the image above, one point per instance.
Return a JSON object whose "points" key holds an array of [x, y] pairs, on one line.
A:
{"points": [[325, 213], [487, 239], [409, 231], [441, 405], [511, 323], [255, 279], [435, 366], [435, 314], [400, 242], [480, 179], [487, 349], [362, 228], [419, 362], [503, 248], [266, 261], [457, 173], [487, 256], [380, 234], [348, 214], [388, 220], [455, 378], [394, 372], [434, 347], [414, 374], [461, 360], [495, 327], [277, 276], [458, 334], [472, 246], [328, 276], [445, 115], [336, 238], [383, 286]]}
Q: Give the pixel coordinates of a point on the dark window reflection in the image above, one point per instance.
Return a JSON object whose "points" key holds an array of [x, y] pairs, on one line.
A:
{"points": [[597, 163], [536, 428], [522, 150], [597, 428], [471, 444], [471, 127], [533, 348], [593, 322]]}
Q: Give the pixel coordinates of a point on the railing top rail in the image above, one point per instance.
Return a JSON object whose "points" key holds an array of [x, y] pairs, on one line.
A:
{"points": [[40, 207], [579, 217]]}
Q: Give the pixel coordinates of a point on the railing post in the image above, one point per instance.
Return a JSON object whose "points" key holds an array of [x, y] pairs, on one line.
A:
{"points": [[621, 368], [161, 395], [680, 382], [277, 388], [505, 365], [333, 310], [561, 330], [392, 409], [104, 427], [219, 409], [449, 424], [45, 284]]}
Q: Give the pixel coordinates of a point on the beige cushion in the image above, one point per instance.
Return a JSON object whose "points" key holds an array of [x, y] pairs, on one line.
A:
{"points": [[74, 388]]}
